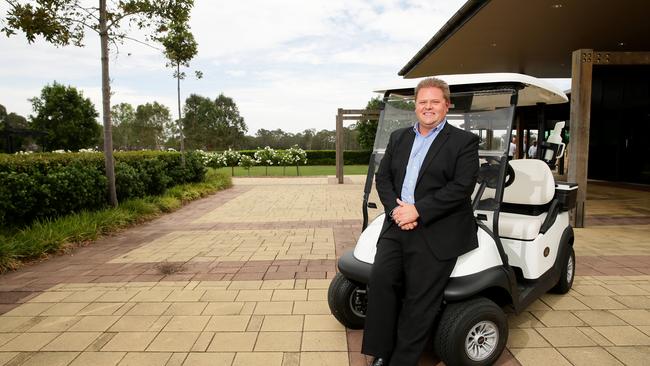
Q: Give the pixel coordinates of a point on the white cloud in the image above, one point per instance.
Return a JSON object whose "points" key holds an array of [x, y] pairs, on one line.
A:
{"points": [[287, 63]]}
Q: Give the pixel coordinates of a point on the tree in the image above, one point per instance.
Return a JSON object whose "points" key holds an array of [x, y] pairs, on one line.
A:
{"points": [[15, 133], [351, 138], [69, 119], [213, 125], [367, 128], [276, 138], [324, 140], [306, 138], [149, 125], [64, 22], [230, 125], [199, 111], [123, 118], [180, 48]]}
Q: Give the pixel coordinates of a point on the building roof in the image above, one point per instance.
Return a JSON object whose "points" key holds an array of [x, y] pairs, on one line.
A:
{"points": [[534, 37], [532, 91]]}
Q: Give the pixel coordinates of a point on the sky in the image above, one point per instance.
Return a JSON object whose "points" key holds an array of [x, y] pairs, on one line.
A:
{"points": [[288, 64]]}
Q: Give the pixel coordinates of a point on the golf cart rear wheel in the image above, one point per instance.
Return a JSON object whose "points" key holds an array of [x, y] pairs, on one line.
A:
{"points": [[566, 274], [347, 301], [472, 332]]}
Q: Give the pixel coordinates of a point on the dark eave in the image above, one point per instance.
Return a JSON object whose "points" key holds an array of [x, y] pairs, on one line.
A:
{"points": [[534, 37]]}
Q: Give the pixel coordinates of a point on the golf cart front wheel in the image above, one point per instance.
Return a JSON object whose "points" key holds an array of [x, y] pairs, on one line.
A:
{"points": [[347, 301], [472, 332], [567, 273]]}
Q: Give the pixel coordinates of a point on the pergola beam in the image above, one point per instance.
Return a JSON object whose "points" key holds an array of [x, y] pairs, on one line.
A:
{"points": [[348, 115], [621, 58]]}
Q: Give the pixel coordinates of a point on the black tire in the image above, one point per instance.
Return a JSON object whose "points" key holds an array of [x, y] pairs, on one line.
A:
{"points": [[347, 301], [458, 320], [567, 274]]}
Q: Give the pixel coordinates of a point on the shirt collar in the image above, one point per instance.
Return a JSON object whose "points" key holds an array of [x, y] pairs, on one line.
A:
{"points": [[438, 128]]}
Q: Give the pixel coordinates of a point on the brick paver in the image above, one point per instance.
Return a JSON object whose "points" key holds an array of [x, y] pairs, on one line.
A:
{"points": [[241, 278]]}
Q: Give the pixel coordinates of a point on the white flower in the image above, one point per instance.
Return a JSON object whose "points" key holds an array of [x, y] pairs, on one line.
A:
{"points": [[88, 150]]}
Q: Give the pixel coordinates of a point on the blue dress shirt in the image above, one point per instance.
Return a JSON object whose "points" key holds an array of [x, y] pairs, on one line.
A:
{"points": [[421, 146]]}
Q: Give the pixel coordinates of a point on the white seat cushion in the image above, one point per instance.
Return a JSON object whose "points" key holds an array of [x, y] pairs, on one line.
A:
{"points": [[515, 226], [522, 227], [533, 185]]}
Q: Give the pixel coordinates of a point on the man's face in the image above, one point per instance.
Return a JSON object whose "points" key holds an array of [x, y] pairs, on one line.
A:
{"points": [[430, 108]]}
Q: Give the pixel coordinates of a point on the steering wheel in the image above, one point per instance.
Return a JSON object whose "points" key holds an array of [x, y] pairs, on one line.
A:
{"points": [[489, 172]]}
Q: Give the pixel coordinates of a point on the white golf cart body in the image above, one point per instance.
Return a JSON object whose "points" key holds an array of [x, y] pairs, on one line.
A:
{"points": [[523, 240]]}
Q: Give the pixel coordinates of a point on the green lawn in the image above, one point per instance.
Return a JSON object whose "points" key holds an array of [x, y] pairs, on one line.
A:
{"points": [[290, 171]]}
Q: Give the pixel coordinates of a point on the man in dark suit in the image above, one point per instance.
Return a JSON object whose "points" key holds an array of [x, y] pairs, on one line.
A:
{"points": [[425, 182]]}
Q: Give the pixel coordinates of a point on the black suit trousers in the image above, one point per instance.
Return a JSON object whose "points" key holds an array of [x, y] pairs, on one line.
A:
{"points": [[405, 292]]}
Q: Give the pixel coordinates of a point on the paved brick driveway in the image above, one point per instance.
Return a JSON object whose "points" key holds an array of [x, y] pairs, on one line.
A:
{"points": [[240, 278]]}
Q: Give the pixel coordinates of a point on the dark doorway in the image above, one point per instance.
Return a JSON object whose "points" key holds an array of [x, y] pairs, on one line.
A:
{"points": [[619, 140]]}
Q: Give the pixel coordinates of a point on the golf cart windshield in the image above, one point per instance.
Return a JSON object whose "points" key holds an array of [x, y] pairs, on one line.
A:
{"points": [[486, 113]]}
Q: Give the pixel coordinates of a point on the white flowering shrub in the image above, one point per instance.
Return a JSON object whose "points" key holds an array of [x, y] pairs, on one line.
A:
{"points": [[211, 159], [92, 150], [204, 157], [217, 160], [247, 163], [266, 157], [295, 156], [231, 158]]}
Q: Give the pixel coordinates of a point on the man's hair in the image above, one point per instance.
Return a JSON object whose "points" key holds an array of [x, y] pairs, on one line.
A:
{"points": [[434, 83]]}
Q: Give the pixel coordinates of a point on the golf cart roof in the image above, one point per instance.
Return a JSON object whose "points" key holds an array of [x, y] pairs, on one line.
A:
{"points": [[531, 89]]}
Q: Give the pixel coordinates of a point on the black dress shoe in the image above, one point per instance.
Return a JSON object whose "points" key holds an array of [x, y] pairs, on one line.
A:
{"points": [[379, 362]]}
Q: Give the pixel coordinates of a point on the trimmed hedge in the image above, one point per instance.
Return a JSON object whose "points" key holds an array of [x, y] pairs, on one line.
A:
{"points": [[328, 157], [43, 237], [39, 186]]}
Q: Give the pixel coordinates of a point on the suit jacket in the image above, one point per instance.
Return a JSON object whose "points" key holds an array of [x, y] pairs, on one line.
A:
{"points": [[442, 191]]}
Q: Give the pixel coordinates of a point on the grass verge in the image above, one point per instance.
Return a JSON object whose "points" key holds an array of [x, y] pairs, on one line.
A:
{"points": [[58, 235]]}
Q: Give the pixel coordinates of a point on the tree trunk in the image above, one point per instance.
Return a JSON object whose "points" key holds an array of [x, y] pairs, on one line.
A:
{"points": [[106, 106], [180, 122]]}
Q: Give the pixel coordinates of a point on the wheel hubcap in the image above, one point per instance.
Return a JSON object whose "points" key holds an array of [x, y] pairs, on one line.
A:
{"points": [[481, 341], [569, 269], [359, 302]]}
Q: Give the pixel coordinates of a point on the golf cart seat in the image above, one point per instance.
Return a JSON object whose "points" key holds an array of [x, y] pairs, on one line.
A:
{"points": [[527, 208]]}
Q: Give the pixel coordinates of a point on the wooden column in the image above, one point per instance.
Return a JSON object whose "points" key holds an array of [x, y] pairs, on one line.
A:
{"points": [[339, 145], [541, 128], [520, 138], [581, 75]]}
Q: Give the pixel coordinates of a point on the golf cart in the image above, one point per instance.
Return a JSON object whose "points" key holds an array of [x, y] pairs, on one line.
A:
{"points": [[525, 239]]}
